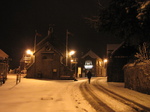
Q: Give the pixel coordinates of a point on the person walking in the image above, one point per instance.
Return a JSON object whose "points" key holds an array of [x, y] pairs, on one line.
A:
{"points": [[18, 76], [89, 75]]}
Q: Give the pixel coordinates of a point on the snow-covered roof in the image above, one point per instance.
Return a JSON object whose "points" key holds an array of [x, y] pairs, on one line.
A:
{"points": [[117, 47], [3, 55], [91, 54], [111, 48]]}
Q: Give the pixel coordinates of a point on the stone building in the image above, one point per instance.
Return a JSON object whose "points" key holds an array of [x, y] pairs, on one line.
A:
{"points": [[49, 60]]}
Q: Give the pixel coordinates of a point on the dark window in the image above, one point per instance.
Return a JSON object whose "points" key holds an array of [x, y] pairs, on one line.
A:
{"points": [[44, 57], [51, 55]]}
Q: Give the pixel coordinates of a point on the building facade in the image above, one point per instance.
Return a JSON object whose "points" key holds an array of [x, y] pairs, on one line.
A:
{"points": [[91, 61], [49, 61], [4, 65]]}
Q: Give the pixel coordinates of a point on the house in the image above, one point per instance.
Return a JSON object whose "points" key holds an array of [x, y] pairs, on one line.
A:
{"points": [[3, 55], [119, 57], [91, 61], [111, 48], [49, 61], [4, 65]]}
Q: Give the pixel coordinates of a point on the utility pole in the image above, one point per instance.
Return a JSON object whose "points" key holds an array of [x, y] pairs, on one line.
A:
{"points": [[35, 41], [67, 47]]}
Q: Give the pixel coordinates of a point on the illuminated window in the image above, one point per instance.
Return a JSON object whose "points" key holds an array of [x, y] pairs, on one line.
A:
{"points": [[88, 64]]}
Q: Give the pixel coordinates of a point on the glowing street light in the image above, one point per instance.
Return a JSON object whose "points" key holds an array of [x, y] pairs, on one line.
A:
{"points": [[105, 60], [28, 57], [29, 52], [71, 53], [71, 60], [105, 63]]}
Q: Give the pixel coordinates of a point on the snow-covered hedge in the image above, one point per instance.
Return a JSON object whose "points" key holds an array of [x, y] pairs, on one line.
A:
{"points": [[137, 76]]}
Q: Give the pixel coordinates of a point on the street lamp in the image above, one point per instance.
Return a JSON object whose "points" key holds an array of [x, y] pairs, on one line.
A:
{"points": [[73, 60], [105, 66], [28, 57], [29, 52], [105, 60], [71, 52], [105, 63]]}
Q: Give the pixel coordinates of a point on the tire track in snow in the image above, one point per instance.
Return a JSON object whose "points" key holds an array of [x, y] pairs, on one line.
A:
{"points": [[136, 106], [96, 103]]}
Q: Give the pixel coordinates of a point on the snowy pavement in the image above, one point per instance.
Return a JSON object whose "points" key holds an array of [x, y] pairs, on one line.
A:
{"points": [[57, 95]]}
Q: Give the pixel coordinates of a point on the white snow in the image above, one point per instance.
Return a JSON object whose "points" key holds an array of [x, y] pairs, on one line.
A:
{"points": [[118, 88], [32, 95]]}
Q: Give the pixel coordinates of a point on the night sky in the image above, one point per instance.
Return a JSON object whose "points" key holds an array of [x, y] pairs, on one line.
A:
{"points": [[20, 18]]}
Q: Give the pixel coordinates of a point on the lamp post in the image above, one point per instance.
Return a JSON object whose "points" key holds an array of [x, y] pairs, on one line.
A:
{"points": [[105, 62], [28, 58], [71, 53], [73, 61], [105, 66]]}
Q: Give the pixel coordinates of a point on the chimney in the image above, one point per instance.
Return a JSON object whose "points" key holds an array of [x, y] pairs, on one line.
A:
{"points": [[50, 31]]}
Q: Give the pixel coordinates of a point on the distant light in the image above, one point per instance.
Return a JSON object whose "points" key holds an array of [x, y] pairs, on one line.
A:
{"points": [[72, 60], [105, 60]]}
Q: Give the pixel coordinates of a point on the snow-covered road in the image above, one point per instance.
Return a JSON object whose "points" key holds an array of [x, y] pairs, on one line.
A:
{"points": [[113, 97], [33, 95]]}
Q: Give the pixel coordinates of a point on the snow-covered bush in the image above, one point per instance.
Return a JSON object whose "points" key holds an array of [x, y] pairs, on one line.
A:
{"points": [[144, 53]]}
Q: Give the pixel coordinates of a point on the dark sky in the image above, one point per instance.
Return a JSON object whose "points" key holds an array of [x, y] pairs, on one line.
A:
{"points": [[20, 18]]}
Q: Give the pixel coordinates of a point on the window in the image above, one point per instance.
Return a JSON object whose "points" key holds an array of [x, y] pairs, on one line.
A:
{"points": [[44, 57]]}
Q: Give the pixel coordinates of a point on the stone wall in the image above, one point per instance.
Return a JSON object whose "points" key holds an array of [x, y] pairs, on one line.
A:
{"points": [[137, 77]]}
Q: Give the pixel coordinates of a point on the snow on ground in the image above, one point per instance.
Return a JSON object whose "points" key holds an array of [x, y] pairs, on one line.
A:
{"points": [[32, 95], [56, 95], [141, 98]]}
